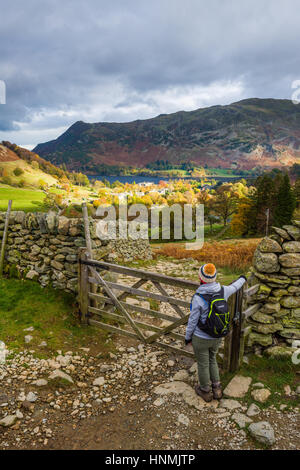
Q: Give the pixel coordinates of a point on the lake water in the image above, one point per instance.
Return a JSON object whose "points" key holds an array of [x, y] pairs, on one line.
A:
{"points": [[129, 179], [152, 179]]}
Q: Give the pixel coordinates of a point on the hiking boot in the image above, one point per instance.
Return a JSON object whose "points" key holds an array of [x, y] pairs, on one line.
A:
{"points": [[206, 395], [217, 391]]}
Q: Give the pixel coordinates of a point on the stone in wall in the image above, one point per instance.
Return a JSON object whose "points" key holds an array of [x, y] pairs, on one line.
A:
{"points": [[44, 247], [276, 268]]}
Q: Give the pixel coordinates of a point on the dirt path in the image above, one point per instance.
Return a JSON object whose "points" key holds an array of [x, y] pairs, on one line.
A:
{"points": [[137, 397], [126, 411], [132, 429]]}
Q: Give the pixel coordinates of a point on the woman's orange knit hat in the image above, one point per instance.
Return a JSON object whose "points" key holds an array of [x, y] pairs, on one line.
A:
{"points": [[208, 272]]}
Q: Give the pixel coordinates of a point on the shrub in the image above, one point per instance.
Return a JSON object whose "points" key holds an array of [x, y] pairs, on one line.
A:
{"points": [[42, 184], [49, 201], [6, 180], [35, 165], [18, 171]]}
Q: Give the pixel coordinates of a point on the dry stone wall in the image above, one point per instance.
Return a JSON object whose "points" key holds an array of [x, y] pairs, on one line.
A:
{"points": [[44, 247], [276, 268]]}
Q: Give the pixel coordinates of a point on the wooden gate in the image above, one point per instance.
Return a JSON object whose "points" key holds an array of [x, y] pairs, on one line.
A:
{"points": [[143, 305]]}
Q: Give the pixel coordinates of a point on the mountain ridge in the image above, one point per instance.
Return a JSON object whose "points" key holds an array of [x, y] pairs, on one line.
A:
{"points": [[247, 134]]}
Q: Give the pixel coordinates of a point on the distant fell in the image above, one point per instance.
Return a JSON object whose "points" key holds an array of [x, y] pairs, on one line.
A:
{"points": [[249, 134]]}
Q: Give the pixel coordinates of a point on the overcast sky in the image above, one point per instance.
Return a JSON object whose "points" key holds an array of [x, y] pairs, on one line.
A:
{"points": [[120, 60]]}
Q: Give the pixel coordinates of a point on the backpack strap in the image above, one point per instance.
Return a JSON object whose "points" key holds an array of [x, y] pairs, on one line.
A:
{"points": [[205, 297], [209, 297]]}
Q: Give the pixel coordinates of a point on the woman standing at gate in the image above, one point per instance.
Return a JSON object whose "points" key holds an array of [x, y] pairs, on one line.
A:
{"points": [[208, 324]]}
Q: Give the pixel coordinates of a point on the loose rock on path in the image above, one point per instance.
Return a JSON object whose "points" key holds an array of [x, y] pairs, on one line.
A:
{"points": [[132, 399]]}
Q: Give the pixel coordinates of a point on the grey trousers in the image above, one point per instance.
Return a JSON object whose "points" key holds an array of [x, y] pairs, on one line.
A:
{"points": [[205, 351]]}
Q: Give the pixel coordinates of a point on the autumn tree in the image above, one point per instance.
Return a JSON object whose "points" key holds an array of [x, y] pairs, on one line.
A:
{"points": [[104, 197], [203, 197], [176, 198], [244, 220], [225, 201]]}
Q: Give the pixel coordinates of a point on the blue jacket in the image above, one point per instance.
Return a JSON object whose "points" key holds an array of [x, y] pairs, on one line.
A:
{"points": [[200, 306]]}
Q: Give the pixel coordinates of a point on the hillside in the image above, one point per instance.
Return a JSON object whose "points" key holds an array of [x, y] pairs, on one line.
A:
{"points": [[253, 133], [26, 173], [33, 170], [7, 155]]}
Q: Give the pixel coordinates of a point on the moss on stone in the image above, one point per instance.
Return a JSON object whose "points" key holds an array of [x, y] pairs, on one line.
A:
{"points": [[290, 322], [279, 351], [258, 338], [290, 333], [263, 318], [267, 329], [290, 301]]}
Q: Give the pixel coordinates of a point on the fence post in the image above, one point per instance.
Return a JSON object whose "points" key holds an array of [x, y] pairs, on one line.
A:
{"points": [[4, 238], [228, 338], [83, 286], [236, 332]]}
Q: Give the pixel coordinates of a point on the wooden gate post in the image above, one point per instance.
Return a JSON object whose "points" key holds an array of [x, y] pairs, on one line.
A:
{"points": [[83, 286], [228, 338], [236, 332], [245, 330]]}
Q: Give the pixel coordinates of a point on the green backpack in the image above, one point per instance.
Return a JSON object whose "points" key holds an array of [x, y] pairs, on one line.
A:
{"points": [[217, 323]]}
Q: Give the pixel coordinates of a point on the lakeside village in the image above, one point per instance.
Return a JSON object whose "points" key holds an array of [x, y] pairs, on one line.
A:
{"points": [[236, 208]]}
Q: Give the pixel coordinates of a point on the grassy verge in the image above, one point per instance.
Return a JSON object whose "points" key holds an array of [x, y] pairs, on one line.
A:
{"points": [[209, 233], [23, 199], [274, 374], [32, 200], [227, 276], [53, 315]]}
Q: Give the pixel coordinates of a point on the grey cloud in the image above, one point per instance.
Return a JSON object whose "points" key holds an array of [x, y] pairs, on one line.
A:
{"points": [[99, 58]]}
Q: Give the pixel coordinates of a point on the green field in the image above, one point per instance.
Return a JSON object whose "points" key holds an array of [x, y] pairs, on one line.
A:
{"points": [[221, 172], [53, 314], [209, 234], [181, 173], [23, 199]]}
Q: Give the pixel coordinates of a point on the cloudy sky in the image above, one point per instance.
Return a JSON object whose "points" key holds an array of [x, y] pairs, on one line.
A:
{"points": [[120, 60]]}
